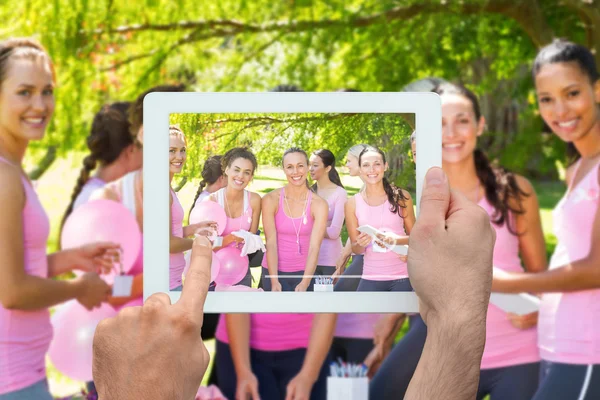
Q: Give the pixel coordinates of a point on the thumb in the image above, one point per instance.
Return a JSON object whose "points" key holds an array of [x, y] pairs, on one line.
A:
{"points": [[435, 200]]}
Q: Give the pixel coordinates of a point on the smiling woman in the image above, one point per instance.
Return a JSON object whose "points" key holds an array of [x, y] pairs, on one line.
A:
{"points": [[180, 240], [26, 290]]}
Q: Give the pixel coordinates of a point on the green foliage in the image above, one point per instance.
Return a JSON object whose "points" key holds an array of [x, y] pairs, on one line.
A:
{"points": [[106, 51], [269, 135]]}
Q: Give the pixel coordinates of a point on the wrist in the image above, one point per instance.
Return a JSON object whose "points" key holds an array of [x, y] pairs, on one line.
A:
{"points": [[243, 371], [308, 373], [468, 328], [76, 287]]}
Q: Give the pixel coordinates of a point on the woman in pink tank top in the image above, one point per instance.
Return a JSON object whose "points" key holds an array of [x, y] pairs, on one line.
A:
{"points": [[510, 362], [112, 147], [329, 187], [295, 222], [269, 354], [26, 288], [241, 206], [388, 209], [568, 89], [212, 180], [181, 238]]}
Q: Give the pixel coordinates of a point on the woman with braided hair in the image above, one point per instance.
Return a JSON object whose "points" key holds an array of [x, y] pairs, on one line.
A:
{"points": [[113, 153]]}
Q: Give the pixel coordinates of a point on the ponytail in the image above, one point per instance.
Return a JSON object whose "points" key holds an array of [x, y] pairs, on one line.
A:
{"points": [[200, 190], [89, 164], [211, 172], [500, 187], [395, 196]]}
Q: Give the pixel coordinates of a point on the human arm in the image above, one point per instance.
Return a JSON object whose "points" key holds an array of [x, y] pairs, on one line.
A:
{"points": [[321, 337], [18, 289], [334, 230], [452, 280], [238, 332], [177, 244], [319, 211], [532, 246], [269, 208], [96, 257], [359, 241], [582, 274], [342, 260], [158, 342]]}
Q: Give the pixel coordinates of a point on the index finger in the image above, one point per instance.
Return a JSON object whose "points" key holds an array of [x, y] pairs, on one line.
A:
{"points": [[193, 294], [107, 245]]}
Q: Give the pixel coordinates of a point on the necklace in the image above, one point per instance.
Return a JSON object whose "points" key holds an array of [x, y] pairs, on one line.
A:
{"points": [[229, 211], [382, 208], [293, 223]]}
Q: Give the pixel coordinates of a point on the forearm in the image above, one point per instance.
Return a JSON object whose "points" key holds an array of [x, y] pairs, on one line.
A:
{"points": [[333, 231], [321, 337], [449, 366], [238, 330], [188, 231], [402, 241], [311, 264], [347, 250], [272, 260], [179, 245], [59, 263], [580, 275], [35, 293], [356, 249]]}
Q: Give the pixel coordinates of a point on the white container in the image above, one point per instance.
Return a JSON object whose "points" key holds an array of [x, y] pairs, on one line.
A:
{"points": [[347, 388], [323, 288]]}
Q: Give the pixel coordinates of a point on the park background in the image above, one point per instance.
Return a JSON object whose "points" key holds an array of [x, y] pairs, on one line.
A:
{"points": [[106, 50]]}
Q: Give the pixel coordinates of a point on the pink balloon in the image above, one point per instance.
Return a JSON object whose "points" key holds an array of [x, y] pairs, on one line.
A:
{"points": [[214, 267], [209, 211], [71, 347], [233, 266], [104, 221]]}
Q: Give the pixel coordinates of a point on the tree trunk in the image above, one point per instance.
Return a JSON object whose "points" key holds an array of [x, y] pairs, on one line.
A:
{"points": [[589, 12], [44, 164], [181, 184]]}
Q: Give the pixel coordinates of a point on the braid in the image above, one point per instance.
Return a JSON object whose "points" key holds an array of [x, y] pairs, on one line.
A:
{"points": [[500, 187], [211, 172], [89, 163], [198, 193], [395, 196]]}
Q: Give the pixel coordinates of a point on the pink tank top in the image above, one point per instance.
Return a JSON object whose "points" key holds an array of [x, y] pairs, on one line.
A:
{"points": [[569, 323], [356, 326], [126, 193], [289, 231], [25, 335], [86, 191], [242, 222], [282, 332], [176, 260], [332, 248], [506, 345], [381, 266]]}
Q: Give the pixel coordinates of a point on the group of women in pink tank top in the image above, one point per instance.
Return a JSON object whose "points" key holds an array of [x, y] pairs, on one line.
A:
{"points": [[553, 355]]}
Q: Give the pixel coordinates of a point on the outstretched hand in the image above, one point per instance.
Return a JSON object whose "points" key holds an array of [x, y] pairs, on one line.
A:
{"points": [[162, 337]]}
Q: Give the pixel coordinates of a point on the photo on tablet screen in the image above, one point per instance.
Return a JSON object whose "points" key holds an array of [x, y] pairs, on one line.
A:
{"points": [[307, 210]]}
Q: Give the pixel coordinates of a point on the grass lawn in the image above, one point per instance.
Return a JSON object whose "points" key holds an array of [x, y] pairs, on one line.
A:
{"points": [[56, 184]]}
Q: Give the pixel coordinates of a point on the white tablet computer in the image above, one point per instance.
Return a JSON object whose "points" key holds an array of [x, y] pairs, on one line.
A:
{"points": [[355, 114]]}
